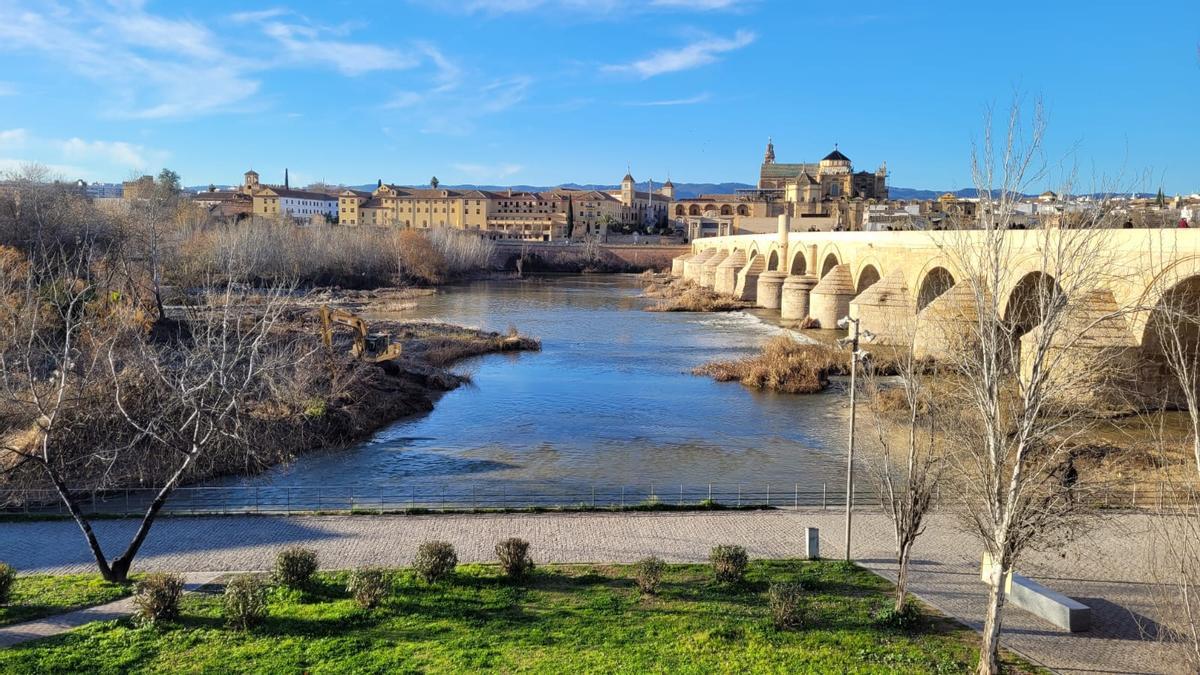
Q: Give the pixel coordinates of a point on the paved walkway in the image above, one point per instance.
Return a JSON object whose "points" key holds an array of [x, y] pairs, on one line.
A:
{"points": [[61, 623], [1107, 572]]}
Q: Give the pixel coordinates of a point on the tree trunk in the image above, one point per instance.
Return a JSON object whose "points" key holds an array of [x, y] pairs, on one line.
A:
{"points": [[93, 543], [989, 650], [902, 578]]}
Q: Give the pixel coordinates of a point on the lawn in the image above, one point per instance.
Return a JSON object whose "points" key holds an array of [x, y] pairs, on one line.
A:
{"points": [[571, 618], [36, 596]]}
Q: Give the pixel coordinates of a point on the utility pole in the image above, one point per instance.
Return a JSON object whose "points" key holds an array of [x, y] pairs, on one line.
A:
{"points": [[853, 325]]}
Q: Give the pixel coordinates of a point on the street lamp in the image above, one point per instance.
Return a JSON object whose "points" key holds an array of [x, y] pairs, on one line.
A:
{"points": [[855, 356]]}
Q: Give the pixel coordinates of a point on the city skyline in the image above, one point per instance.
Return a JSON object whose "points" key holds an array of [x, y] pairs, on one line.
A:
{"points": [[551, 91]]}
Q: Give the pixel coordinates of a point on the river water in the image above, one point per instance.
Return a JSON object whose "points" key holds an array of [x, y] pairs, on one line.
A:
{"points": [[609, 401]]}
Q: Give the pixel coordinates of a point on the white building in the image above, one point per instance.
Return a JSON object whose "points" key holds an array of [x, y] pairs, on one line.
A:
{"points": [[300, 205]]}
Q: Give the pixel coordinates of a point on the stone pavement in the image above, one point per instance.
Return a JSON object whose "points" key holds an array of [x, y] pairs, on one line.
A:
{"points": [[61, 623], [1107, 570]]}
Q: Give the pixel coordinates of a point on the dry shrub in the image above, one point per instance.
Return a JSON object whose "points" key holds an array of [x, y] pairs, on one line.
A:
{"points": [[295, 566], [368, 586], [729, 563], [647, 573], [435, 561], [464, 252], [786, 601], [418, 258], [785, 365], [695, 299], [157, 597], [513, 554], [245, 601]]}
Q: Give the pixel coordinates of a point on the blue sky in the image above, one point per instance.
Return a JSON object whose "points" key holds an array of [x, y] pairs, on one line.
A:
{"points": [[549, 91]]}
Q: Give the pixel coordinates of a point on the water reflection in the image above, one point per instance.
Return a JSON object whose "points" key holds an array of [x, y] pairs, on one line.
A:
{"points": [[608, 401]]}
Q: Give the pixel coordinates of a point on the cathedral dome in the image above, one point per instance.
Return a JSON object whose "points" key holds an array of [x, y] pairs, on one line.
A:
{"points": [[835, 156]]}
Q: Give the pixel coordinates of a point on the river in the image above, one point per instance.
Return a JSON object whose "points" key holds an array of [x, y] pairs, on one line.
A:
{"points": [[609, 401]]}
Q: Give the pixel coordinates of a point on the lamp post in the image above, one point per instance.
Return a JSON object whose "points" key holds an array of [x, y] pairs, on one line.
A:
{"points": [[855, 355]]}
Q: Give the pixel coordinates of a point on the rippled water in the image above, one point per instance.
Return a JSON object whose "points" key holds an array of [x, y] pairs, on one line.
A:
{"points": [[608, 401]]}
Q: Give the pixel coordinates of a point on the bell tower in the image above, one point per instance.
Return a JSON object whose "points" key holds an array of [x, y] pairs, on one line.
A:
{"points": [[627, 185], [769, 155]]}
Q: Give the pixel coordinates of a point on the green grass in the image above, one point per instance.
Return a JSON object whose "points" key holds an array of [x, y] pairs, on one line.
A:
{"points": [[41, 595], [563, 619]]}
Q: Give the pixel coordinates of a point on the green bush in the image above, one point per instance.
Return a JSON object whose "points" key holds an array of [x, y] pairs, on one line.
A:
{"points": [[368, 586], [904, 619], [295, 567], [156, 597], [8, 577], [648, 572], [729, 563], [514, 557], [435, 561], [245, 601], [787, 605]]}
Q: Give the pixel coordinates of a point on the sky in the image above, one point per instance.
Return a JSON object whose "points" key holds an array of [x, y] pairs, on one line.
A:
{"points": [[550, 91]]}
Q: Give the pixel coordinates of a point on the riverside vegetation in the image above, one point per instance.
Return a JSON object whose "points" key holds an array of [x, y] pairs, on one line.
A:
{"points": [[144, 346], [814, 616]]}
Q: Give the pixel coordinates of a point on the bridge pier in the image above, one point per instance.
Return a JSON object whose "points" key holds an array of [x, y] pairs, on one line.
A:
{"points": [[708, 271], [770, 289], [948, 324], [692, 266], [678, 262], [886, 310], [725, 278], [794, 303], [747, 279], [830, 299]]}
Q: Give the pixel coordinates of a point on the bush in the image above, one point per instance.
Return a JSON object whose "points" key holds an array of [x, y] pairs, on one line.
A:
{"points": [[904, 619], [156, 597], [514, 557], [435, 561], [787, 605], [729, 563], [648, 572], [295, 566], [245, 601], [7, 577], [785, 365], [368, 586]]}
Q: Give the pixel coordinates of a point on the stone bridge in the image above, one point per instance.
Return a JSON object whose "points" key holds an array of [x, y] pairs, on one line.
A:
{"points": [[896, 283]]}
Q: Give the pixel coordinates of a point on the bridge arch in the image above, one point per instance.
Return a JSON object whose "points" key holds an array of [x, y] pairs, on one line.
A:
{"points": [[773, 259], [868, 274], [1029, 300], [1170, 351], [1158, 288], [933, 282], [830, 258], [799, 264]]}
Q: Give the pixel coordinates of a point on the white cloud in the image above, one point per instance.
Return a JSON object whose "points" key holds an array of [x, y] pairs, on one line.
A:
{"points": [[692, 100], [456, 110], [258, 15], [307, 44], [701, 52], [76, 157], [153, 66]]}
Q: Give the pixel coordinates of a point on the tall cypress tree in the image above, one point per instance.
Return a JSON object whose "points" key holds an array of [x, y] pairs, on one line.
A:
{"points": [[570, 217]]}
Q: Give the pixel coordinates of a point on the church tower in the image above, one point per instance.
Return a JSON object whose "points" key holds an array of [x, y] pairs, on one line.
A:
{"points": [[627, 184], [250, 182], [668, 189], [769, 156]]}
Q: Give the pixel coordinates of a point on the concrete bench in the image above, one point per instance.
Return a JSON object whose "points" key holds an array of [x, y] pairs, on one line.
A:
{"points": [[1036, 599]]}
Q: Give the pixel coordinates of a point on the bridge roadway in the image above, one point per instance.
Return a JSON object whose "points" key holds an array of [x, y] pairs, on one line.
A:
{"points": [[1107, 570]]}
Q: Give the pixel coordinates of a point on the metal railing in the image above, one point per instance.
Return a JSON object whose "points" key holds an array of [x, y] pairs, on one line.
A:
{"points": [[427, 497], [424, 497]]}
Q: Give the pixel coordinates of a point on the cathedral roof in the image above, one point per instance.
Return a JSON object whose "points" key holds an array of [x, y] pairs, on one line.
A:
{"points": [[806, 179], [835, 156], [628, 177], [786, 170]]}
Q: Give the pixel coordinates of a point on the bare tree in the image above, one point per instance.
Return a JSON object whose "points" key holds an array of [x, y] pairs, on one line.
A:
{"points": [[180, 393], [908, 463], [1172, 350], [1027, 380]]}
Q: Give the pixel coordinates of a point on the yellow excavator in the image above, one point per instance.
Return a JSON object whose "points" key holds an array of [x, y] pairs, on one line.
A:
{"points": [[374, 346]]}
